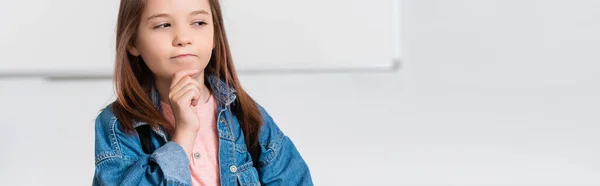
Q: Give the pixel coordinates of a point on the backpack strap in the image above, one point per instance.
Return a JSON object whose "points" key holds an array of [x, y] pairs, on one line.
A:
{"points": [[254, 153], [144, 133]]}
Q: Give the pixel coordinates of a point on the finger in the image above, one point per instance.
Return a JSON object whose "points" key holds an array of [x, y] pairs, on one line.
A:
{"points": [[178, 96], [184, 82], [181, 74], [190, 97]]}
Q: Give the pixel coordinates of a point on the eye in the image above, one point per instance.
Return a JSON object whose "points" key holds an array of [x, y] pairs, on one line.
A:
{"points": [[200, 23], [164, 25]]}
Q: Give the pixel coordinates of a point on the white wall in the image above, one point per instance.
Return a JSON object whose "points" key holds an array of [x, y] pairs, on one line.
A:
{"points": [[490, 93], [499, 93]]}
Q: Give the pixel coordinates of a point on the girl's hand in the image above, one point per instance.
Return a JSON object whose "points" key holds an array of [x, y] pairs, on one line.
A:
{"points": [[184, 96]]}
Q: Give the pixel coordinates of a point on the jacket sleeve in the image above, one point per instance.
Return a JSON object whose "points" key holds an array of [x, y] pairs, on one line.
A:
{"points": [[120, 159], [280, 163]]}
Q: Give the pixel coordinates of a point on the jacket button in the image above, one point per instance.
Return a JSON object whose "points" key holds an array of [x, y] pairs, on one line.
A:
{"points": [[223, 120], [233, 168], [196, 155]]}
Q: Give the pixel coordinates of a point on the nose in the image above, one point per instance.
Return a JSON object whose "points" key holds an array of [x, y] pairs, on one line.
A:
{"points": [[181, 39]]}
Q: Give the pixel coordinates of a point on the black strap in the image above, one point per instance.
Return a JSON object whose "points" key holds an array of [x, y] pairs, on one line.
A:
{"points": [[254, 153], [144, 134]]}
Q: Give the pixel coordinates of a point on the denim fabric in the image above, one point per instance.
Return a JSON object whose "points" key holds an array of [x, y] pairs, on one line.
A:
{"points": [[120, 159]]}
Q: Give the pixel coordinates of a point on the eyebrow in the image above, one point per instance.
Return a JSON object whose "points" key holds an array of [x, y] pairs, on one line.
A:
{"points": [[167, 15]]}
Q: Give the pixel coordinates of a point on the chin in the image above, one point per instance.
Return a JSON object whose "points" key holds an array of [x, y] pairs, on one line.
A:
{"points": [[187, 66]]}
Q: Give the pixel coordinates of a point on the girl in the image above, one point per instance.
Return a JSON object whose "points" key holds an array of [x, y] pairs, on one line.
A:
{"points": [[181, 116]]}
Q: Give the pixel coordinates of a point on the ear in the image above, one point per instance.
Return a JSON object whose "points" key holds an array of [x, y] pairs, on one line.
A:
{"points": [[133, 50]]}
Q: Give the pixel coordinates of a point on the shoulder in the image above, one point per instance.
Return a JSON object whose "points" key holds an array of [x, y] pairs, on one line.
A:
{"points": [[106, 122], [270, 136], [106, 118], [106, 146], [275, 144], [110, 140]]}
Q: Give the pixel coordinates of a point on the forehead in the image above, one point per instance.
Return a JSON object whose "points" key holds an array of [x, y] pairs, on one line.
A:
{"points": [[175, 7]]}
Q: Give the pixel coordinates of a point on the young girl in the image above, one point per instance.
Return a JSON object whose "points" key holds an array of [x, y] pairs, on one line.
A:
{"points": [[181, 116]]}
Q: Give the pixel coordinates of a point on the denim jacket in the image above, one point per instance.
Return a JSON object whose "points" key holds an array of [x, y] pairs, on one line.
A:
{"points": [[120, 159]]}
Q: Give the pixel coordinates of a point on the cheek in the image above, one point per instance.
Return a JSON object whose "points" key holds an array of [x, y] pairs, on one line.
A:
{"points": [[206, 48], [155, 45], [155, 52]]}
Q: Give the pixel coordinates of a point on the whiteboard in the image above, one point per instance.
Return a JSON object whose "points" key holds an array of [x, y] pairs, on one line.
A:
{"points": [[77, 36]]}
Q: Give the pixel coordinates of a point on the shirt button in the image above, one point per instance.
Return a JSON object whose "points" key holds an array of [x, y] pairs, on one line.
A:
{"points": [[233, 168], [197, 155]]}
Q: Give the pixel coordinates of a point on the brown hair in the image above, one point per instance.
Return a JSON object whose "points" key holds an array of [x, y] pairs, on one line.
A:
{"points": [[133, 79]]}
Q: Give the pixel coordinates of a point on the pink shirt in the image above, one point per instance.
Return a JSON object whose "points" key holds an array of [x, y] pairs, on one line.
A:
{"points": [[204, 162]]}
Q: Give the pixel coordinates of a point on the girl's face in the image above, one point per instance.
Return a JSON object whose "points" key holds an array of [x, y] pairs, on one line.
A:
{"points": [[174, 35]]}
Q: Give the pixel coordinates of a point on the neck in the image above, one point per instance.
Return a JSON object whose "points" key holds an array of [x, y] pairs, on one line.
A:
{"points": [[163, 87]]}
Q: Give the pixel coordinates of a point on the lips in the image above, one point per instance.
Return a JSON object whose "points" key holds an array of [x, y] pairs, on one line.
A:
{"points": [[183, 55]]}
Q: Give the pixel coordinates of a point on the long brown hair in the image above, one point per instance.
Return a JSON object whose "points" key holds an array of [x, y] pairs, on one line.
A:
{"points": [[133, 79]]}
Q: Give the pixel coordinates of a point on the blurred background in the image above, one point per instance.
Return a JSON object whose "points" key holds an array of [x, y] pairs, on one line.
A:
{"points": [[380, 92]]}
